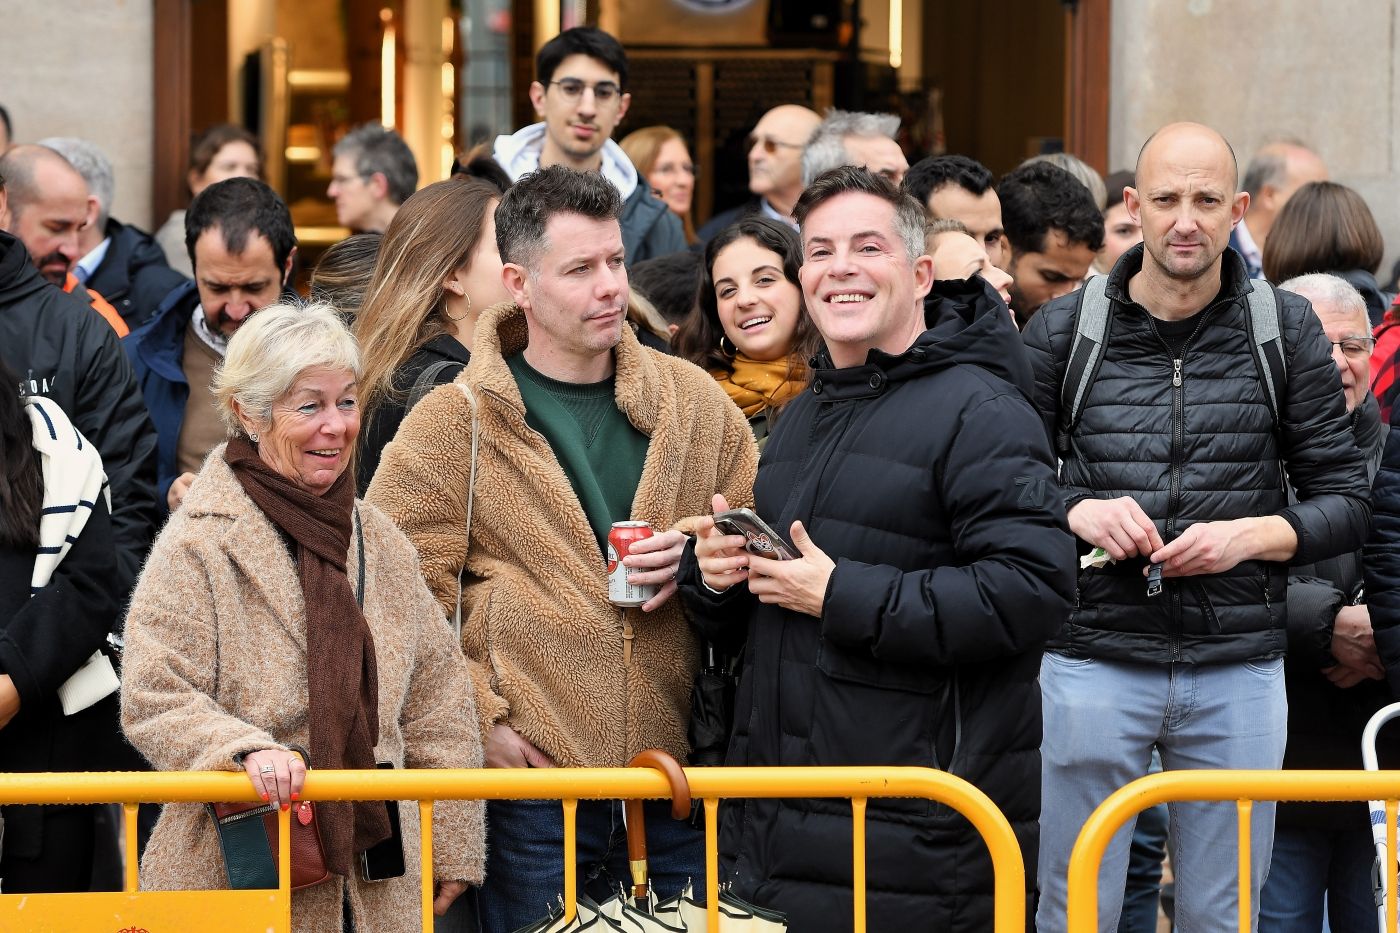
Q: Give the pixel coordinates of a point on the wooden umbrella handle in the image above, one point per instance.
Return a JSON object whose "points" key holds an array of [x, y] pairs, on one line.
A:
{"points": [[636, 821]]}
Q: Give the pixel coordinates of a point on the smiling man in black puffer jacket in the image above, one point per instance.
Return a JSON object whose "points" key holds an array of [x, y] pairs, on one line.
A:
{"points": [[1178, 461], [915, 480]]}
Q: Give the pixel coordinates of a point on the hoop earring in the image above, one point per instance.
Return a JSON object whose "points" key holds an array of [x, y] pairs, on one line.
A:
{"points": [[466, 314], [734, 352]]}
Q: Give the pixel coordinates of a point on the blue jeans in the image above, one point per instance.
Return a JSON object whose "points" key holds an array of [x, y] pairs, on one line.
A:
{"points": [[1142, 894], [1102, 719], [525, 857], [1312, 864]]}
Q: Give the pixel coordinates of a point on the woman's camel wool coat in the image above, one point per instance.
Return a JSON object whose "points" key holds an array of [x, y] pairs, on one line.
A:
{"points": [[215, 666]]}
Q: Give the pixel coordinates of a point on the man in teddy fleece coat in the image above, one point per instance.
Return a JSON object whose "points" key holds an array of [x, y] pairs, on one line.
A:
{"points": [[570, 425]]}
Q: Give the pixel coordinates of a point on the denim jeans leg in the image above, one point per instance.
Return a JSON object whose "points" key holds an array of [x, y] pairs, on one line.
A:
{"points": [[1351, 907], [1142, 893], [1292, 898], [1101, 719], [525, 858], [1221, 716]]}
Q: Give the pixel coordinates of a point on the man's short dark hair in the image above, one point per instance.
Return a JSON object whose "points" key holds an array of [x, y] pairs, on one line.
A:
{"points": [[909, 216], [525, 210], [928, 175], [1040, 197], [581, 40], [376, 150], [238, 207], [669, 282]]}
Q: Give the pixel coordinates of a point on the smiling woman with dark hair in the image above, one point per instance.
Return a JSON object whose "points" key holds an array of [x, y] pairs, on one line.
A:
{"points": [[750, 327]]}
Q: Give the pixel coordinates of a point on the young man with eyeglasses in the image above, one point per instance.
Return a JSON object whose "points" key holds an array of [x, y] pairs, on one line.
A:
{"points": [[775, 168], [580, 92]]}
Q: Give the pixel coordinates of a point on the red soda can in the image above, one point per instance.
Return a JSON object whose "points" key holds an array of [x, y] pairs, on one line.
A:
{"points": [[620, 540]]}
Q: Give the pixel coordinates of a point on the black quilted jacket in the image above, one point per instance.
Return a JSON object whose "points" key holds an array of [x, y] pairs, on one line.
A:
{"points": [[1206, 450], [926, 478]]}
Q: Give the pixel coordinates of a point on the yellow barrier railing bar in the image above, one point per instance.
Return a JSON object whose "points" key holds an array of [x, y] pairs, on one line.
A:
{"points": [[425, 878], [858, 853], [129, 811], [1239, 786], [570, 858], [712, 862], [1243, 809], [1391, 900], [284, 860], [568, 785]]}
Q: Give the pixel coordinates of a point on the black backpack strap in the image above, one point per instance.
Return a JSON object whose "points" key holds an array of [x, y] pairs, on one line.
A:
{"points": [[1265, 324], [426, 382], [1091, 322]]}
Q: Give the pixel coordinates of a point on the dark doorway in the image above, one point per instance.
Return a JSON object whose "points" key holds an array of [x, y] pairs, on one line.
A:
{"points": [[1001, 65]]}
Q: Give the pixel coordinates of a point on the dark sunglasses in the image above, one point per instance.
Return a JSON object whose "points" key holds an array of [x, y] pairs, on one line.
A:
{"points": [[770, 145]]}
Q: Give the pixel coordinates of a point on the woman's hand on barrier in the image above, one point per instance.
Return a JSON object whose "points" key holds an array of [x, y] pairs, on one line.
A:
{"points": [[277, 775], [722, 558], [447, 892], [9, 700], [506, 748]]}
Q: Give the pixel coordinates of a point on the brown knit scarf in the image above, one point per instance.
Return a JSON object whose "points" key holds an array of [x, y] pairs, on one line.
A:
{"points": [[341, 675]]}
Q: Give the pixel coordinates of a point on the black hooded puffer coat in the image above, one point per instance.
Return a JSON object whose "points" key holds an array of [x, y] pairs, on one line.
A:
{"points": [[927, 479]]}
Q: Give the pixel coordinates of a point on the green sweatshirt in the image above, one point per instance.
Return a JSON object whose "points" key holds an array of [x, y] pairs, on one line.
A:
{"points": [[601, 452]]}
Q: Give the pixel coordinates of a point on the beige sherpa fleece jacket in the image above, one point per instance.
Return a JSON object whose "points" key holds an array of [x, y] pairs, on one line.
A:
{"points": [[215, 665], [537, 623]]}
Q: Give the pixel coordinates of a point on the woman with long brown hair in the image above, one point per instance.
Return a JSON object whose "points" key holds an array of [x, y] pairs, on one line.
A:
{"points": [[660, 156], [438, 269], [750, 328]]}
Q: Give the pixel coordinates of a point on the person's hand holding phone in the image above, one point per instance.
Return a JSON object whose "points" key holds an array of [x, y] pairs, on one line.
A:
{"points": [[722, 558], [799, 585]]}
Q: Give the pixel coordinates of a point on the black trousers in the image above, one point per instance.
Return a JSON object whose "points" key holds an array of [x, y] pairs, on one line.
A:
{"points": [[64, 862]]}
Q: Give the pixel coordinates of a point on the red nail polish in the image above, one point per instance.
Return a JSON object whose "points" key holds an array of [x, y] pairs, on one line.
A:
{"points": [[264, 795], [286, 806], [296, 796]]}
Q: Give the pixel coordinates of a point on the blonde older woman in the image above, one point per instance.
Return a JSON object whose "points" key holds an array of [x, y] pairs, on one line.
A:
{"points": [[276, 611]]}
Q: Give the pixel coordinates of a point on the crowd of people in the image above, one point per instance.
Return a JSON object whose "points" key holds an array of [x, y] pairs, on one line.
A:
{"points": [[1080, 477]]}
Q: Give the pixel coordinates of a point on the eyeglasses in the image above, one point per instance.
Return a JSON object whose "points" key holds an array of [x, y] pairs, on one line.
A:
{"points": [[769, 144], [604, 92], [1355, 347], [343, 180]]}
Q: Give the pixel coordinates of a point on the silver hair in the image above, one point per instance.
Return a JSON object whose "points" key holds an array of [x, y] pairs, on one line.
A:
{"points": [[274, 347], [92, 163], [1334, 290], [826, 149], [1082, 171], [376, 149]]}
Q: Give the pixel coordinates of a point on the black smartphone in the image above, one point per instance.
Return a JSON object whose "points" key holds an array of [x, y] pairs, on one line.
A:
{"points": [[384, 860], [761, 540]]}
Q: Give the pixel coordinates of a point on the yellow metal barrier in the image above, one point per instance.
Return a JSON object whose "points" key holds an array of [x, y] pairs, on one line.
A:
{"points": [[1243, 787], [160, 911]]}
